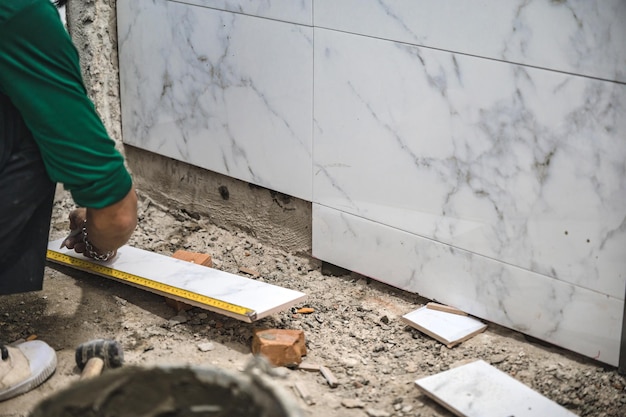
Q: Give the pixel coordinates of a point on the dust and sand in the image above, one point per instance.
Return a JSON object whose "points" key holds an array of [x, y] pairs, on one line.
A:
{"points": [[355, 330]]}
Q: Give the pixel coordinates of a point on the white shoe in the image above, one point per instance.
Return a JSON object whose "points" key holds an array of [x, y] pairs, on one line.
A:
{"points": [[24, 367]]}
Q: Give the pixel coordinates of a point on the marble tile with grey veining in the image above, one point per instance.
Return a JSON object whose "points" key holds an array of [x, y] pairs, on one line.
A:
{"points": [[517, 164], [223, 91], [478, 389], [448, 328], [560, 313], [294, 11], [258, 296], [575, 36]]}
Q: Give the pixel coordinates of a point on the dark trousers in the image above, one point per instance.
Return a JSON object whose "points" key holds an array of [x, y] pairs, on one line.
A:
{"points": [[26, 198]]}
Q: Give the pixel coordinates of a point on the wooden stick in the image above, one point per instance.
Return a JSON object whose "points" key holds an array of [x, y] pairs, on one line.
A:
{"points": [[446, 309], [92, 368]]}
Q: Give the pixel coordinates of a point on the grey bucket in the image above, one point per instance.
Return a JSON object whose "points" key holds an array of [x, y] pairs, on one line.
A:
{"points": [[171, 392]]}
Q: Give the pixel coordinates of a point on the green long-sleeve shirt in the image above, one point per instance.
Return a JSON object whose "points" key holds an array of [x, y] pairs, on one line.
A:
{"points": [[40, 74]]}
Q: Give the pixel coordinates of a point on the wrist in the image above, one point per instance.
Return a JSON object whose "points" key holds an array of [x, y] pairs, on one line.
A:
{"points": [[90, 249]]}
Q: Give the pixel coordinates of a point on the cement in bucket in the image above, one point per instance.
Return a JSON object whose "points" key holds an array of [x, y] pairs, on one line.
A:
{"points": [[171, 392]]}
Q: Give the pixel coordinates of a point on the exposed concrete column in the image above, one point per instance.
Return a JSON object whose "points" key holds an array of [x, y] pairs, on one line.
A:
{"points": [[93, 27]]}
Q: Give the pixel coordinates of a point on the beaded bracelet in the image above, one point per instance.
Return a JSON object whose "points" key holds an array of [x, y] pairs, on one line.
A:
{"points": [[91, 250]]}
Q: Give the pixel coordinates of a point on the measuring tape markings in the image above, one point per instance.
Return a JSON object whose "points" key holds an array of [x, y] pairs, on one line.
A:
{"points": [[146, 282]]}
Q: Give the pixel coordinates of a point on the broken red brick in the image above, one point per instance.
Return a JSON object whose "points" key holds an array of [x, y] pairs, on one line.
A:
{"points": [[194, 257], [177, 305], [281, 347]]}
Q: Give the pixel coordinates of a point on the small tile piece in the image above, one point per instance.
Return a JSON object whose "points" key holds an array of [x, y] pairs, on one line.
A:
{"points": [[249, 271], [281, 347], [307, 366], [303, 391], [448, 328], [481, 390], [330, 377], [353, 403], [206, 346]]}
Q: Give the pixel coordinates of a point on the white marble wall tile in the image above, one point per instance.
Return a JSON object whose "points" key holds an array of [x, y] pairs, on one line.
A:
{"points": [[577, 36], [517, 164], [295, 11], [569, 316], [223, 91]]}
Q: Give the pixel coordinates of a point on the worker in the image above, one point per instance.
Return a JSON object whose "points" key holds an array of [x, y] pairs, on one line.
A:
{"points": [[50, 133]]}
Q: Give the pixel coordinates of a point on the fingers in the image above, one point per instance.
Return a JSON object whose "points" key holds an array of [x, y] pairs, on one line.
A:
{"points": [[77, 217], [79, 248], [72, 239], [75, 239]]}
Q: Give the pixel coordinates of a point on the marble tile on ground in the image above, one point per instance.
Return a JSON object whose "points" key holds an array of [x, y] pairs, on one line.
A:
{"points": [[223, 91], [560, 313], [478, 389], [263, 298], [300, 11], [580, 36], [509, 162], [448, 328]]}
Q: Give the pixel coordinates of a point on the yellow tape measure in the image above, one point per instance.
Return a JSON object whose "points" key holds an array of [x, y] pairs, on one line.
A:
{"points": [[104, 270]]}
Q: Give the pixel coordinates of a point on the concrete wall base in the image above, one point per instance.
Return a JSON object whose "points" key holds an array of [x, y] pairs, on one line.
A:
{"points": [[274, 218]]}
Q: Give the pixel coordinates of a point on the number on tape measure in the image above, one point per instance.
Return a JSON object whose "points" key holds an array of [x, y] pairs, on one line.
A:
{"points": [[148, 283]]}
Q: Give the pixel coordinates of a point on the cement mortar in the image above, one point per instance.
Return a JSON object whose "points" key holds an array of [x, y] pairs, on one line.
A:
{"points": [[274, 218], [173, 392]]}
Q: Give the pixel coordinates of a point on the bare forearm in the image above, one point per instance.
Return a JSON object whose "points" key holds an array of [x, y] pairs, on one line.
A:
{"points": [[110, 227]]}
